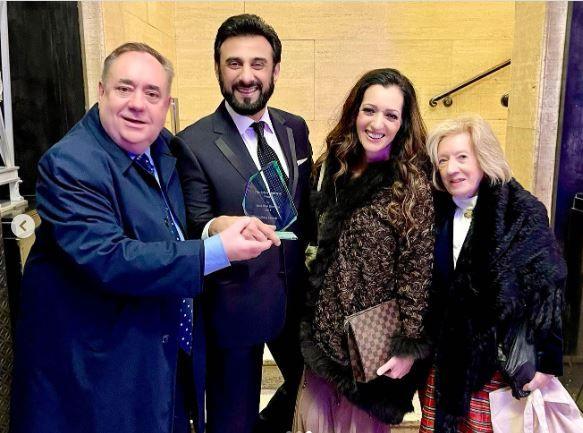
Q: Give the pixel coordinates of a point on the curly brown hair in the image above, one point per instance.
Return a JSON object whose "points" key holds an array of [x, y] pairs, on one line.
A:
{"points": [[407, 149]]}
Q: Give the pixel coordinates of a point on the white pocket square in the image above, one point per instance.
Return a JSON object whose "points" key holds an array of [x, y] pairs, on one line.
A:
{"points": [[301, 161]]}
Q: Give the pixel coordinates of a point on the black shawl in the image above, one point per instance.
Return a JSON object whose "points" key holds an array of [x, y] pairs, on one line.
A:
{"points": [[509, 271]]}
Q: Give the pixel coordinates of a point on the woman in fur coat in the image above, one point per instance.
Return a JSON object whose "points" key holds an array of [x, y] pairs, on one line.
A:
{"points": [[497, 271], [375, 243]]}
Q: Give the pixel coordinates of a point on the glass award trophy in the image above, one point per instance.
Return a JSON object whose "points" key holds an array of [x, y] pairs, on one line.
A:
{"points": [[267, 198]]}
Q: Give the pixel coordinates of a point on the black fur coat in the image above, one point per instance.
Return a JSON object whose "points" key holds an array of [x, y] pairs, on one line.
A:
{"points": [[363, 260], [509, 271]]}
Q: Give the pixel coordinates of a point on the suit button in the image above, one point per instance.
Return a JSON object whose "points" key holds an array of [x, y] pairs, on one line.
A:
{"points": [[165, 338], [281, 274]]}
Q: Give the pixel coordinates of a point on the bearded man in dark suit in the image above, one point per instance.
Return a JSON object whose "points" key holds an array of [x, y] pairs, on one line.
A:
{"points": [[256, 301]]}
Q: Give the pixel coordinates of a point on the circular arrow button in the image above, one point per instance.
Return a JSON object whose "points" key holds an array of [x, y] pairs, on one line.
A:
{"points": [[22, 226]]}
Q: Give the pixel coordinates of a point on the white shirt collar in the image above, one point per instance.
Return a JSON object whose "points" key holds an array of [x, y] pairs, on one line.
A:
{"points": [[243, 123], [465, 203]]}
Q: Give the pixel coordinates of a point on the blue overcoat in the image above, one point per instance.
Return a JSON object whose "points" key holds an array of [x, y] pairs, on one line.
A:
{"points": [[95, 344]]}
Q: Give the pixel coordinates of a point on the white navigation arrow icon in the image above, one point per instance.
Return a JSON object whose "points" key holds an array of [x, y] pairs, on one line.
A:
{"points": [[22, 226]]}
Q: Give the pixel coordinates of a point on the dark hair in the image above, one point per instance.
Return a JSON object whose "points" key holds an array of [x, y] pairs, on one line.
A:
{"points": [[247, 25], [407, 149], [139, 47]]}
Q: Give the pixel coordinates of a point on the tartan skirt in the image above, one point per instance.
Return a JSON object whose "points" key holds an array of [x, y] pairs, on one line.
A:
{"points": [[477, 420]]}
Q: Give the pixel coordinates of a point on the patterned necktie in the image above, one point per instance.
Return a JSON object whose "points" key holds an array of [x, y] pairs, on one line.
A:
{"points": [[185, 325], [145, 163], [264, 151], [267, 155]]}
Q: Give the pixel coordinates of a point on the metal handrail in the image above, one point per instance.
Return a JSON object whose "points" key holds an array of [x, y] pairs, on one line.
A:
{"points": [[447, 101], [174, 116]]}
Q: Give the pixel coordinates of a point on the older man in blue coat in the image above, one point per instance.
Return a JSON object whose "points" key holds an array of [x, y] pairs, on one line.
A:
{"points": [[109, 314]]}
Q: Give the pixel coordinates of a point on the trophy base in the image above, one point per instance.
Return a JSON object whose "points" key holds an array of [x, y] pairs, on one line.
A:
{"points": [[288, 236]]}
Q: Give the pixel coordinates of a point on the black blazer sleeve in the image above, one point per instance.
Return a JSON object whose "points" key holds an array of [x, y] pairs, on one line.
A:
{"points": [[195, 186]]}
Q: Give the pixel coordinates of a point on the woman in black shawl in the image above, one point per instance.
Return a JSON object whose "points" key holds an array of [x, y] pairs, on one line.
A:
{"points": [[498, 272]]}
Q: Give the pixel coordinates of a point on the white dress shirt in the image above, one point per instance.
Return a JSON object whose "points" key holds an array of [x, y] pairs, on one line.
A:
{"points": [[461, 223], [243, 124]]}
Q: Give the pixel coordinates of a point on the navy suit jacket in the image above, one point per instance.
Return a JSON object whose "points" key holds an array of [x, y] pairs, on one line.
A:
{"points": [[246, 303], [96, 340]]}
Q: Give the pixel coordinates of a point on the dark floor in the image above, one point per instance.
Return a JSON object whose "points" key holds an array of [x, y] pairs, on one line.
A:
{"points": [[572, 379]]}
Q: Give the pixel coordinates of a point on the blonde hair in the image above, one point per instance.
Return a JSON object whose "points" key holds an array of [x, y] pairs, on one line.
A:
{"points": [[485, 144]]}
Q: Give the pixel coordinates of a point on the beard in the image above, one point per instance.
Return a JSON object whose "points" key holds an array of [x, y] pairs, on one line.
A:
{"points": [[247, 107]]}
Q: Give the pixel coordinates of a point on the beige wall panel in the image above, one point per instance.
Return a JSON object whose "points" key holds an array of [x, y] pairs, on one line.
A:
{"points": [[196, 84], [424, 94], [464, 101], [526, 65], [519, 151], [499, 128], [523, 109], [197, 102], [161, 16], [137, 9], [430, 123], [523, 127], [471, 58], [474, 99], [482, 100], [93, 49], [168, 48], [498, 83], [340, 63], [491, 108], [195, 65], [155, 38], [294, 91], [373, 21], [468, 59], [113, 25], [450, 20], [135, 29], [200, 20], [324, 20], [125, 22], [319, 129], [524, 116]]}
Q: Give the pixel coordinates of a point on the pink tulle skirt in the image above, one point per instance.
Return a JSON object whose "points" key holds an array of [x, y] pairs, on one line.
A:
{"points": [[320, 408]]}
